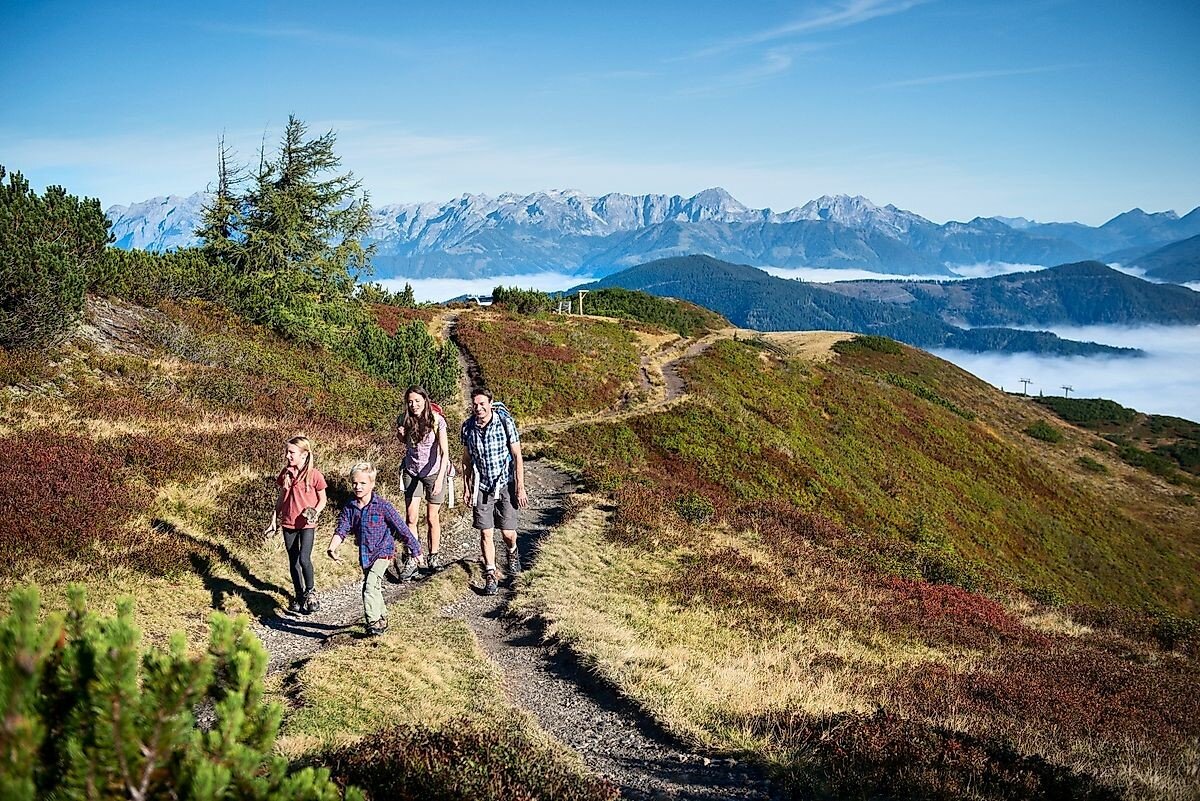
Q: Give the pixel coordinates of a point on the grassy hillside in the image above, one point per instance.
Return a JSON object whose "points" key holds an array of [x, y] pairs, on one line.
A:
{"points": [[141, 455], [547, 367], [866, 571]]}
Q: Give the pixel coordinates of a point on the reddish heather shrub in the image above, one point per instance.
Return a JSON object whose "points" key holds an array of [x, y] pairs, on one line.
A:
{"points": [[884, 756], [62, 493], [461, 760], [943, 614], [391, 317], [1077, 690]]}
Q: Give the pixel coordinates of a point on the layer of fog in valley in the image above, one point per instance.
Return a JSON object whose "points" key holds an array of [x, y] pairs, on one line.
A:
{"points": [[437, 290], [1165, 381]]}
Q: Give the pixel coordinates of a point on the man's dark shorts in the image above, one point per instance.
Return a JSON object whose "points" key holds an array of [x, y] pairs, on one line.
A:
{"points": [[498, 510]]}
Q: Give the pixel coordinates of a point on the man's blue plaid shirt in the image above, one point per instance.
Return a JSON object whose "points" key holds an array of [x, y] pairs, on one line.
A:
{"points": [[488, 447]]}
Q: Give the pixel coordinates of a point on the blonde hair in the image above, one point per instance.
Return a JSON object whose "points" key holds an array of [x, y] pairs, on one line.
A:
{"points": [[364, 467], [310, 460]]}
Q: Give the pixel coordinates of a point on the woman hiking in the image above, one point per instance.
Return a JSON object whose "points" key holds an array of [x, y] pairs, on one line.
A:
{"points": [[422, 429]]}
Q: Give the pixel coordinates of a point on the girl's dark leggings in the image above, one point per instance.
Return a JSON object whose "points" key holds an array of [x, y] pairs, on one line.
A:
{"points": [[299, 542]]}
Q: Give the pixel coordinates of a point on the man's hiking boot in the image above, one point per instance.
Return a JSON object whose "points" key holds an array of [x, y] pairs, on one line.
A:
{"points": [[409, 571], [490, 587], [311, 604], [377, 628], [514, 563]]}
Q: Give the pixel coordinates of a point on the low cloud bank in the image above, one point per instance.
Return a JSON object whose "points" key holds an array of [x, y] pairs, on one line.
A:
{"points": [[828, 275], [1166, 381], [441, 289]]}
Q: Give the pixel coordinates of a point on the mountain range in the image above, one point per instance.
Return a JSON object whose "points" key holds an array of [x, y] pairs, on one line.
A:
{"points": [[570, 232], [985, 314]]}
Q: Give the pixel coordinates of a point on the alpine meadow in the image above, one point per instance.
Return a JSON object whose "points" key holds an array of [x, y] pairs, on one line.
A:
{"points": [[581, 402]]}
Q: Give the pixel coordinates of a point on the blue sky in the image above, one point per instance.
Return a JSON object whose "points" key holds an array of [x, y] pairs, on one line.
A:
{"points": [[1050, 109]]}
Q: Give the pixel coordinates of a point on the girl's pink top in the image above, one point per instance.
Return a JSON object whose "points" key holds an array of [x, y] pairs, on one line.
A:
{"points": [[297, 497]]}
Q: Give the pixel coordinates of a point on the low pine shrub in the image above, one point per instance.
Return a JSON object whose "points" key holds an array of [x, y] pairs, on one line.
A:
{"points": [[694, 508], [462, 760], [1091, 465], [868, 342], [89, 716], [1040, 429]]}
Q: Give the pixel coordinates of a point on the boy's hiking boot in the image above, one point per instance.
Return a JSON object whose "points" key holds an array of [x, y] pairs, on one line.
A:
{"points": [[409, 571], [377, 628], [311, 604], [514, 563], [490, 587]]}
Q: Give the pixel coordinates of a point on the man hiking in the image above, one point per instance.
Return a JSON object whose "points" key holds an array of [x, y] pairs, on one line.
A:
{"points": [[496, 484]]}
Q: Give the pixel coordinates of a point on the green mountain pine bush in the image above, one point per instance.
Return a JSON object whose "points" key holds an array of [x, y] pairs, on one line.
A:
{"points": [[86, 715]]}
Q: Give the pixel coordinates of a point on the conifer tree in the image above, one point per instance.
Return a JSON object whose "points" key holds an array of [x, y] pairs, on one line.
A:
{"points": [[87, 716], [221, 214], [49, 244]]}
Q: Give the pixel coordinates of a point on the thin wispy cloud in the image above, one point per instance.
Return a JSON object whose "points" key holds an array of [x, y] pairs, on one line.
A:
{"points": [[827, 18], [955, 77], [774, 62], [304, 35]]}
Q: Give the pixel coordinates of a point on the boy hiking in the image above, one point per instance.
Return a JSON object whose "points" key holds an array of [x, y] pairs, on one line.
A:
{"points": [[492, 446], [375, 524]]}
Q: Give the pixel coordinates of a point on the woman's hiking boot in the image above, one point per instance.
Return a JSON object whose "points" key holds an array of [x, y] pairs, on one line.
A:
{"points": [[411, 566], [490, 587], [311, 604], [514, 562], [434, 563]]}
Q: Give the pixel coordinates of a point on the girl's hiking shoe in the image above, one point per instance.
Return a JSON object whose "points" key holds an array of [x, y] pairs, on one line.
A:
{"points": [[311, 604], [490, 587], [295, 607]]}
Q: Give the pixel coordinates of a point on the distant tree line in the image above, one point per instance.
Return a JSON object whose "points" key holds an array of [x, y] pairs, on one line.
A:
{"points": [[281, 245]]}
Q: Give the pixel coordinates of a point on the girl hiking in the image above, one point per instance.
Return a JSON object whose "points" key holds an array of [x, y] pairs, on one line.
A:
{"points": [[300, 502], [422, 429]]}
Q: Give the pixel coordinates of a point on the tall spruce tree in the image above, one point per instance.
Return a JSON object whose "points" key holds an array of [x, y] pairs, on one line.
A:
{"points": [[298, 220], [221, 215]]}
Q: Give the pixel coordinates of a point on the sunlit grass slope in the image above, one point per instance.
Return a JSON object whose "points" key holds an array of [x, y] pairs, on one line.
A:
{"points": [[844, 567], [141, 457], [551, 366]]}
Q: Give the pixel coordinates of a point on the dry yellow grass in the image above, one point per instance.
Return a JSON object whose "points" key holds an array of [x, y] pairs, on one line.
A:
{"points": [[427, 669], [809, 345], [690, 666]]}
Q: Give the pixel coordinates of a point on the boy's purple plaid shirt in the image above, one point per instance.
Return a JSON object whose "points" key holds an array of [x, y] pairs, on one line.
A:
{"points": [[375, 527], [488, 447]]}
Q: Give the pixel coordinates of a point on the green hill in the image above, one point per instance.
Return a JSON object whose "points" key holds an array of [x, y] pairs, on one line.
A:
{"points": [[750, 297], [1084, 293]]}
